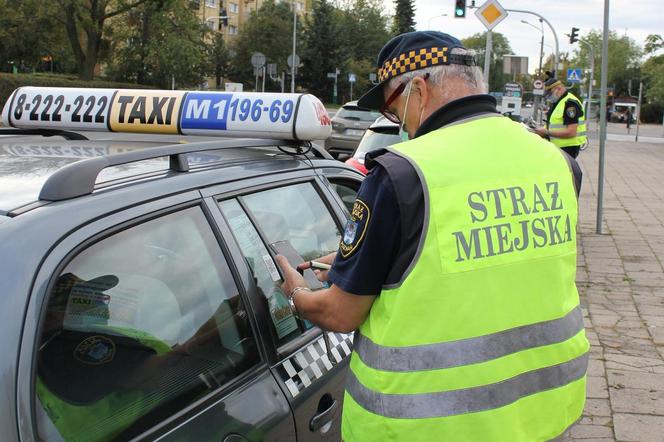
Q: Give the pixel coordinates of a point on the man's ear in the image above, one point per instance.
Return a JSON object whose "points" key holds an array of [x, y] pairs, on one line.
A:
{"points": [[422, 88]]}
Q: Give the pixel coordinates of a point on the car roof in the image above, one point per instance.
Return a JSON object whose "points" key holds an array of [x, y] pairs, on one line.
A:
{"points": [[30, 166], [44, 159]]}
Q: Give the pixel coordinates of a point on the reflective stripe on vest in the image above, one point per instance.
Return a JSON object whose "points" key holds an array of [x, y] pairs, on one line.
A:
{"points": [[468, 400], [468, 351], [483, 339], [557, 122]]}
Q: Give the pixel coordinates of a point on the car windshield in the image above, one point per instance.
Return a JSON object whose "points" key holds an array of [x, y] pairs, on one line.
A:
{"points": [[375, 140], [358, 114]]}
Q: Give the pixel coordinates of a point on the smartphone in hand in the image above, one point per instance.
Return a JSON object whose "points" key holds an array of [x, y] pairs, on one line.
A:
{"points": [[286, 249]]}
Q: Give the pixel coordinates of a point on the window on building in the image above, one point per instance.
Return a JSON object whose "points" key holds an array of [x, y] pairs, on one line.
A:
{"points": [[211, 3], [232, 30], [234, 8]]}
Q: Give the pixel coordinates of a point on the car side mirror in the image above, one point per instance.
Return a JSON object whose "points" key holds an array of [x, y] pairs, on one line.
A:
{"points": [[343, 156]]}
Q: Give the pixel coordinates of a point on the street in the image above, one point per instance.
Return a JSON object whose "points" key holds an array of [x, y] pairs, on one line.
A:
{"points": [[620, 277]]}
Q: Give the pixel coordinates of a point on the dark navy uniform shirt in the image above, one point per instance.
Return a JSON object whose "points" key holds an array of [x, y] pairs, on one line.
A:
{"points": [[381, 237]]}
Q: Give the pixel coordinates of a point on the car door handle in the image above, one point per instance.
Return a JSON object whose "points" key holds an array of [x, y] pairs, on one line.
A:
{"points": [[324, 417]]}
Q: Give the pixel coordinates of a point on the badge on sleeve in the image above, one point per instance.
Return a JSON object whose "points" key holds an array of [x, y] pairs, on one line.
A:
{"points": [[571, 111], [356, 227]]}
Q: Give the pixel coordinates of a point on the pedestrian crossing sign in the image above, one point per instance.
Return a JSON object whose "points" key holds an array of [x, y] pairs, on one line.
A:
{"points": [[574, 75]]}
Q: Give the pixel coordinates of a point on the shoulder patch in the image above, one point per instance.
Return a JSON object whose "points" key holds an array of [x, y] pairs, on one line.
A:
{"points": [[571, 111], [356, 228]]}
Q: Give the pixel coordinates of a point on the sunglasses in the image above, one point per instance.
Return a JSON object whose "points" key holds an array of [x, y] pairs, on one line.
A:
{"points": [[384, 109]]}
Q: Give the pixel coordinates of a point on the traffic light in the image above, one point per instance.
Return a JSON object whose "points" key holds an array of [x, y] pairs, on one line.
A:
{"points": [[574, 36], [459, 8]]}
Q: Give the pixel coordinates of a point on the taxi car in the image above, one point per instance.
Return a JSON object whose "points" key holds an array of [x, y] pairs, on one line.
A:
{"points": [[140, 296]]}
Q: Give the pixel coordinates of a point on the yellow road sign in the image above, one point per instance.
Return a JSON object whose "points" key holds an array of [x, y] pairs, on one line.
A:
{"points": [[490, 14]]}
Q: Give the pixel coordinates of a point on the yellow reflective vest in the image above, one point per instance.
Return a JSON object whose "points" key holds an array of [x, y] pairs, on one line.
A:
{"points": [[484, 338], [556, 122]]}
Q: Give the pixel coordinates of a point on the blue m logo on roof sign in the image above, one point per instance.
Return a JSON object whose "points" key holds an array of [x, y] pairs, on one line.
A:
{"points": [[574, 75]]}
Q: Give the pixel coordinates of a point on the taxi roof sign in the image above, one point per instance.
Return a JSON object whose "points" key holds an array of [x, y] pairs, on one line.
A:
{"points": [[491, 13], [225, 114]]}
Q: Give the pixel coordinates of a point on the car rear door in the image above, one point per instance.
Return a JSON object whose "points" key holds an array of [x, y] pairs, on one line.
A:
{"points": [[297, 209], [143, 331]]}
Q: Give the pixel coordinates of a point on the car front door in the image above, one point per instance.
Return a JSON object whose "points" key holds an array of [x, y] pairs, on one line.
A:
{"points": [[144, 333], [308, 363]]}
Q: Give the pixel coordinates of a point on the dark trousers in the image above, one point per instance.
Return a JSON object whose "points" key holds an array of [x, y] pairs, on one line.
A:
{"points": [[572, 151]]}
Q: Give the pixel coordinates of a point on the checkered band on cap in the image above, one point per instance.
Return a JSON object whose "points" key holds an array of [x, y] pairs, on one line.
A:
{"points": [[412, 61]]}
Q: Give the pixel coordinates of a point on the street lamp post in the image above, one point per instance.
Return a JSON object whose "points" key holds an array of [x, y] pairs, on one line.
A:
{"points": [[292, 86], [538, 110], [436, 16]]}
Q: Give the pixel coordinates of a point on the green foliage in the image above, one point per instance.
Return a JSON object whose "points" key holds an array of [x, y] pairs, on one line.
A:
{"points": [[321, 49], [270, 31], [85, 23], [500, 46], [653, 75], [404, 17], [161, 41], [652, 113], [30, 38], [364, 32], [624, 59], [9, 83], [654, 43], [219, 58]]}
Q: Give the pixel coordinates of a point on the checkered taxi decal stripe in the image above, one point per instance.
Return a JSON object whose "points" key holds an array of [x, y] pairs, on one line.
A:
{"points": [[304, 367]]}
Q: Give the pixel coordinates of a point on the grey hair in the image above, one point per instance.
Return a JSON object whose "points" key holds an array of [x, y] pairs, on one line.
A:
{"points": [[440, 74]]}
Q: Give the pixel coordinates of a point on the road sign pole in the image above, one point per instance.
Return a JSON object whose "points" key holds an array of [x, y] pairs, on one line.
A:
{"points": [[351, 91], [638, 111], [263, 88], [590, 82], [487, 59], [602, 122]]}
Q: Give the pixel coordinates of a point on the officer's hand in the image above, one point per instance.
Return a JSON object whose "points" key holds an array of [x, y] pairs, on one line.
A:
{"points": [[292, 278], [541, 131], [320, 274]]}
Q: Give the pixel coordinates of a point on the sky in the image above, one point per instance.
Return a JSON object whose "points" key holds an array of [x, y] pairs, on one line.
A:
{"points": [[636, 18]]}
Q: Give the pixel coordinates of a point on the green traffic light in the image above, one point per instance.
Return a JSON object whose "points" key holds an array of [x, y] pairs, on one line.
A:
{"points": [[458, 12]]}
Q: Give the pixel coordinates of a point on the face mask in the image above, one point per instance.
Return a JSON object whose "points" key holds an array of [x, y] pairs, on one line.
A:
{"points": [[402, 133]]}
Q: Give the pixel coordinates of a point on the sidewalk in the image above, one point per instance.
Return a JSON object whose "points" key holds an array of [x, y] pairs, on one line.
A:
{"points": [[621, 282]]}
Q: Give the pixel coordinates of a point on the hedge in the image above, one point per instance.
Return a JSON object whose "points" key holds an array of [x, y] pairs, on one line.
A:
{"points": [[652, 113], [11, 82]]}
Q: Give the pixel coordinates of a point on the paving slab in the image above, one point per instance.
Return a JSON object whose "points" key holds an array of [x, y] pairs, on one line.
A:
{"points": [[620, 277]]}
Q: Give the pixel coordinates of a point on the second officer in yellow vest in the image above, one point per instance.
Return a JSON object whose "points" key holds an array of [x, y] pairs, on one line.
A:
{"points": [[566, 122], [457, 266]]}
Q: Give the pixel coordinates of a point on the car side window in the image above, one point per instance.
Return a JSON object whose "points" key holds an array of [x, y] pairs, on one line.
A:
{"points": [[347, 191], [138, 326], [296, 214]]}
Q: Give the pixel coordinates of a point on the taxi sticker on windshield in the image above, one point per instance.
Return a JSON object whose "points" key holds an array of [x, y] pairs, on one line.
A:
{"points": [[356, 228]]}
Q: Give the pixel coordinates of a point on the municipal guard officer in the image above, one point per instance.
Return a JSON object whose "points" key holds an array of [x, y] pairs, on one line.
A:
{"points": [[457, 264], [566, 122]]}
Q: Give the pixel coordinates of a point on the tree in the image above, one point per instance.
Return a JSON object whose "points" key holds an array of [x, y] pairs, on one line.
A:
{"points": [[30, 39], [654, 42], [219, 57], [85, 22], [500, 47], [268, 30], [624, 59], [652, 70], [363, 18], [404, 17], [321, 36], [161, 41]]}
